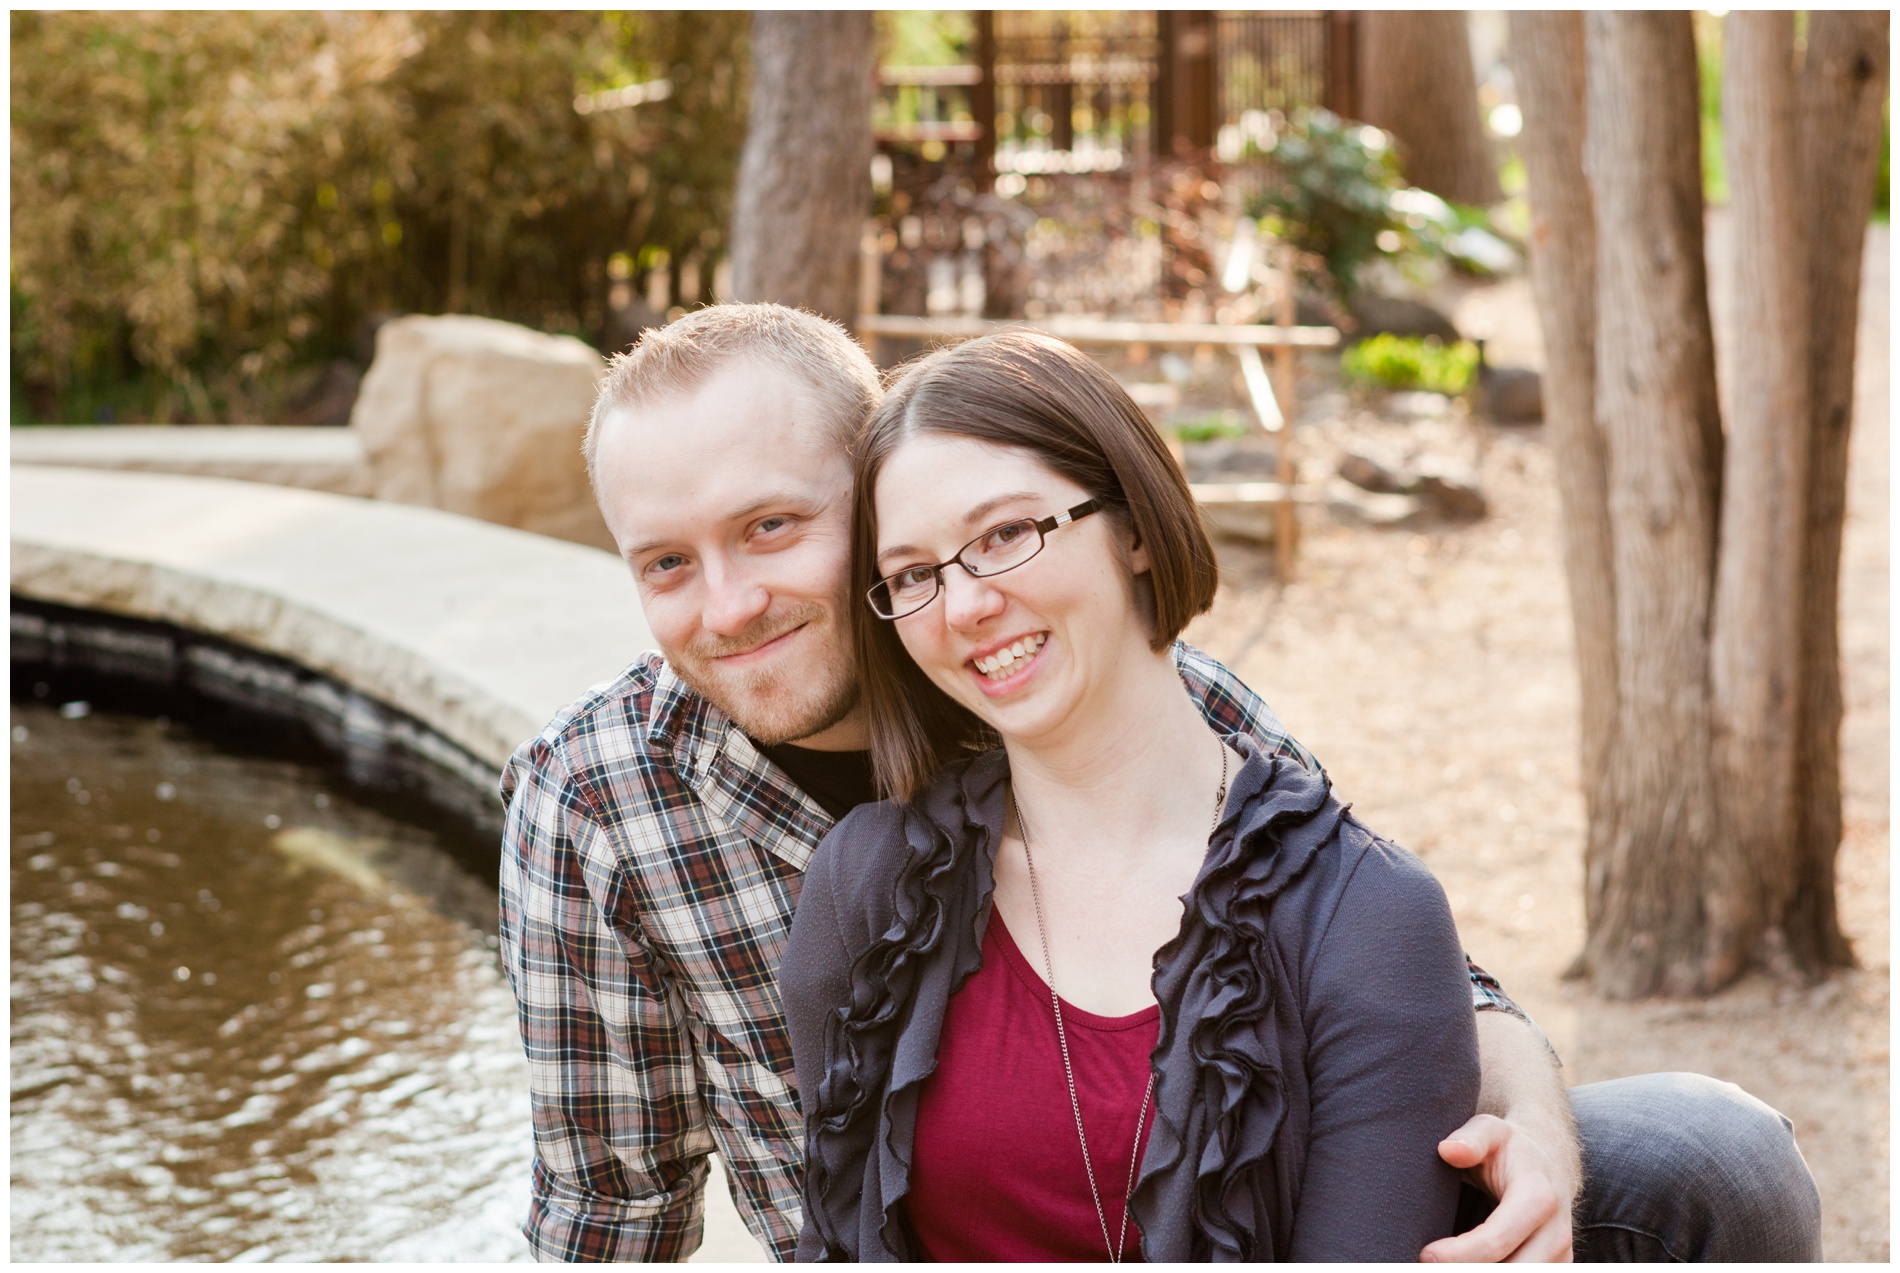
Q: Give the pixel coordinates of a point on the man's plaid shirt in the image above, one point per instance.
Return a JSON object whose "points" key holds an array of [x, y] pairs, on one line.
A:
{"points": [[650, 867]]}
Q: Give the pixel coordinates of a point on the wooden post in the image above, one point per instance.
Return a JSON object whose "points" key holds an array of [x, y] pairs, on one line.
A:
{"points": [[1186, 112], [870, 284], [983, 99], [1286, 371], [1342, 64]]}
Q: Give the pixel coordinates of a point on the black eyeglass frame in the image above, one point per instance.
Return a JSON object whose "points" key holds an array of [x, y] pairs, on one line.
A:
{"points": [[1043, 526]]}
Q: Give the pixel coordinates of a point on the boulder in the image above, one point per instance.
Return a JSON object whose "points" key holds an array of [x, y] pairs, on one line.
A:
{"points": [[1368, 474], [482, 418], [1437, 487], [1355, 507], [1510, 395], [1375, 314]]}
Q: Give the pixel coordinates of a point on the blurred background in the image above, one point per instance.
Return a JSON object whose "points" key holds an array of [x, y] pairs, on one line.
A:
{"points": [[1389, 301], [213, 212]]}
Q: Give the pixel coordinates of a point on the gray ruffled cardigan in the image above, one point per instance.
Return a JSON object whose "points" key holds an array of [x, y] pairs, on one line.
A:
{"points": [[1317, 1038]]}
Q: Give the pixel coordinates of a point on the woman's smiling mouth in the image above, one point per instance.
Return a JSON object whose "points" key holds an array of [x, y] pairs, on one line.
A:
{"points": [[999, 665]]}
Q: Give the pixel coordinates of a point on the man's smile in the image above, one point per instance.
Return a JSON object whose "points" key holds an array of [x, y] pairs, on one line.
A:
{"points": [[762, 651]]}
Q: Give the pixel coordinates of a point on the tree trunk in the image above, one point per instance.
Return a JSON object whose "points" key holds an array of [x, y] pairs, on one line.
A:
{"points": [[804, 185], [1416, 82], [1755, 629], [1648, 853], [1843, 85], [1547, 63]]}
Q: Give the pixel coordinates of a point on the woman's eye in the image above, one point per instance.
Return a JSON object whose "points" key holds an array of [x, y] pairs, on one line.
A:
{"points": [[771, 524], [913, 578], [1004, 536]]}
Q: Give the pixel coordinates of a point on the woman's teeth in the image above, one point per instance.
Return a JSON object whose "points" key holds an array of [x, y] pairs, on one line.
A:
{"points": [[1007, 662]]}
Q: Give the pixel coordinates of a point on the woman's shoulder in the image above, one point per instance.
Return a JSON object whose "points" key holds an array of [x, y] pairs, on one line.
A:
{"points": [[1310, 848], [859, 863]]}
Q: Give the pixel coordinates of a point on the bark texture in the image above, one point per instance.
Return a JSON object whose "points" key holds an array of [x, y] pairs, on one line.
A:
{"points": [[1755, 632], [1843, 84], [1416, 82], [1547, 63], [804, 184], [1648, 853]]}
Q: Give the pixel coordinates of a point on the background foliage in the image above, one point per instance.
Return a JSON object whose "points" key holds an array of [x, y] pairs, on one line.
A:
{"points": [[205, 203], [1388, 361], [1333, 189]]}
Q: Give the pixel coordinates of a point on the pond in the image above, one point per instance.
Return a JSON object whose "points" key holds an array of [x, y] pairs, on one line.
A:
{"points": [[256, 1013]]}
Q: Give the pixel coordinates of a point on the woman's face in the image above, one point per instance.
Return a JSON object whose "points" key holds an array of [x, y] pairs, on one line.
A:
{"points": [[1027, 648]]}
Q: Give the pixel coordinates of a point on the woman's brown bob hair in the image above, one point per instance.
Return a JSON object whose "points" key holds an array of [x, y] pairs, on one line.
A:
{"points": [[1025, 390]]}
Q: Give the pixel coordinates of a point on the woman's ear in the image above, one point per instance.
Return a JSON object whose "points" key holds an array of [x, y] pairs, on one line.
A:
{"points": [[1138, 560]]}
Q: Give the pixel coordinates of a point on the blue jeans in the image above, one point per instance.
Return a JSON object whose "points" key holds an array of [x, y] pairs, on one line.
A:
{"points": [[1680, 1167]]}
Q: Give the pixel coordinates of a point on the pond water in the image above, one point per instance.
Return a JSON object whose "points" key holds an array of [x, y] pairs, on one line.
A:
{"points": [[254, 1015]]}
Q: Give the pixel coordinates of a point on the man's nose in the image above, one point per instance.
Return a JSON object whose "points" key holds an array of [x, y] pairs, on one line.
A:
{"points": [[968, 600], [733, 599]]}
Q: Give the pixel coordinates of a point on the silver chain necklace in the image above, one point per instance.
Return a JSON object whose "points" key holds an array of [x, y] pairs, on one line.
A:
{"points": [[1062, 1035]]}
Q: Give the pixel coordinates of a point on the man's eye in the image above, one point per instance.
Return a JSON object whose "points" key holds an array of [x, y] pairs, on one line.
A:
{"points": [[771, 524], [662, 565]]}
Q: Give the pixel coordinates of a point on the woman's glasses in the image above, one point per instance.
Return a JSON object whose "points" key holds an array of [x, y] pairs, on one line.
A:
{"points": [[997, 549]]}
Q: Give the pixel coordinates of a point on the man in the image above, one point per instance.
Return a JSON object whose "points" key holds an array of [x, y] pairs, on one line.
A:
{"points": [[658, 828]]}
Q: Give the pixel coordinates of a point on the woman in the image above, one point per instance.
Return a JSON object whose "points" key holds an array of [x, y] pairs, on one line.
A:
{"points": [[1120, 988]]}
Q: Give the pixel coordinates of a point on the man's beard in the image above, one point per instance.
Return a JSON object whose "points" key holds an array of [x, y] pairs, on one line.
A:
{"points": [[779, 705]]}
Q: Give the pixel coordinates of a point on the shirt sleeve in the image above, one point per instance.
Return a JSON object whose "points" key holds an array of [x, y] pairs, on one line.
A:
{"points": [[814, 979], [620, 1134], [1393, 1065]]}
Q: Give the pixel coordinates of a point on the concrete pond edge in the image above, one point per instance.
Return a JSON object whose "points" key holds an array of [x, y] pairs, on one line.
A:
{"points": [[479, 632]]}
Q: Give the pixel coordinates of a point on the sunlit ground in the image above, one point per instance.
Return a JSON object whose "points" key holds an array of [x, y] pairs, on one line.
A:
{"points": [[1432, 674]]}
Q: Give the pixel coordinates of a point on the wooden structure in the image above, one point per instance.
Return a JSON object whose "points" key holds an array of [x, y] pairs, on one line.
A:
{"points": [[1134, 82], [1095, 90], [1274, 407]]}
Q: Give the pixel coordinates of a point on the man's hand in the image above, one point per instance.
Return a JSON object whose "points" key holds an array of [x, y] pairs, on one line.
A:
{"points": [[1521, 1149], [1532, 1219]]}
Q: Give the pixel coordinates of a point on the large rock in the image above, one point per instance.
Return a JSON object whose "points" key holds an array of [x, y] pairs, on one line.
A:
{"points": [[1374, 314], [482, 418]]}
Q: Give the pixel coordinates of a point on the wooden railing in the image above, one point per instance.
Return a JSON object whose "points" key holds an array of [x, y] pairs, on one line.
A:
{"points": [[1272, 406]]}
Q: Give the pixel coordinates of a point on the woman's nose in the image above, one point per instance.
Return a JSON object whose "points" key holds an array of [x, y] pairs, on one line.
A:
{"points": [[968, 600]]}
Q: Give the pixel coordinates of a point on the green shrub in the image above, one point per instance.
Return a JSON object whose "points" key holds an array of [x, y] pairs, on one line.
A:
{"points": [[1333, 189], [1328, 191], [1218, 424], [202, 201], [1386, 361]]}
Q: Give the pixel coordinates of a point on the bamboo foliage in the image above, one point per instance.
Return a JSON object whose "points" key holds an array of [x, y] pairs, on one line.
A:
{"points": [[208, 199]]}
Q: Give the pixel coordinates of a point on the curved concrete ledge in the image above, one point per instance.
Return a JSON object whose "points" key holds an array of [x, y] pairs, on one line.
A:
{"points": [[476, 630], [318, 459]]}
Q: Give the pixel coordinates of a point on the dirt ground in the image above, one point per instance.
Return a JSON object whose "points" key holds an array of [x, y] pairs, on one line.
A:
{"points": [[1432, 673]]}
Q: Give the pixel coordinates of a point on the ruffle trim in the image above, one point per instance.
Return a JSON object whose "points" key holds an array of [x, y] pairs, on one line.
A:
{"points": [[1223, 1109], [1220, 1100], [946, 873]]}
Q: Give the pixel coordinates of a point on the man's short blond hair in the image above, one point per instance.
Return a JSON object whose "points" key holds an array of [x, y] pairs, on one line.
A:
{"points": [[677, 359]]}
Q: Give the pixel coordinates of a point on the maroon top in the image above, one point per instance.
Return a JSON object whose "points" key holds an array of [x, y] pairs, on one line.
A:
{"points": [[998, 1171]]}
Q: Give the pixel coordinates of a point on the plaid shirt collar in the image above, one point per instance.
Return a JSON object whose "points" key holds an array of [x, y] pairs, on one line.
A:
{"points": [[722, 765]]}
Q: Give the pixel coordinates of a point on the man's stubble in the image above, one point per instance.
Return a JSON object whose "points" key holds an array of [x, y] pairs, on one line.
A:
{"points": [[777, 705]]}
